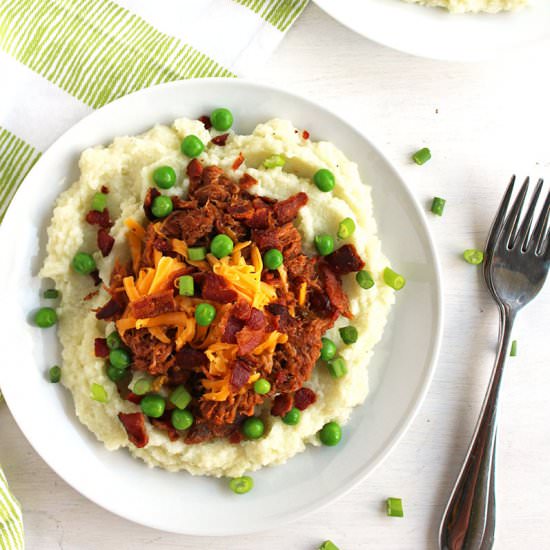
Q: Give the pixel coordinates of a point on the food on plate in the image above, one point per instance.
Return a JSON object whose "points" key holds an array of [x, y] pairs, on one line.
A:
{"points": [[221, 294], [394, 507], [464, 6]]}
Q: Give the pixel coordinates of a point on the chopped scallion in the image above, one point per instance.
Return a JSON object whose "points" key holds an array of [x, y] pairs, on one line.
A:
{"points": [[473, 256], [364, 279], [274, 160], [142, 386], [186, 285], [393, 279], [55, 374], [346, 228], [180, 397], [438, 204], [99, 202], [196, 254], [337, 367], [514, 349], [99, 393], [422, 156], [395, 507], [51, 294], [328, 545]]}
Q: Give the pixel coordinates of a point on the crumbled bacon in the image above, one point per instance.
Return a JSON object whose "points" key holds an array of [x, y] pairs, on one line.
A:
{"points": [[167, 427], [281, 404], [95, 277], [105, 189], [303, 398], [151, 195], [102, 219], [194, 169], [110, 311], [153, 305], [217, 289], [134, 398], [247, 181], [345, 260], [100, 347], [134, 424], [205, 119], [334, 291], [220, 140], [305, 134], [104, 242], [287, 210], [238, 161], [191, 358], [239, 375]]}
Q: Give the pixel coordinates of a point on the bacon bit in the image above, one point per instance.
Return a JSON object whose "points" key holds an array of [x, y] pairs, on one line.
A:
{"points": [[220, 140], [287, 210], [91, 295], [194, 169], [105, 189], [205, 119], [303, 398], [134, 424], [217, 289], [102, 219], [151, 195], [95, 277], [232, 327], [345, 260], [247, 181], [281, 404], [334, 291], [190, 358], [153, 305], [101, 349], [134, 398], [236, 437], [111, 309], [256, 321], [239, 375], [105, 242], [248, 339], [242, 310], [305, 134], [165, 426], [238, 161]]}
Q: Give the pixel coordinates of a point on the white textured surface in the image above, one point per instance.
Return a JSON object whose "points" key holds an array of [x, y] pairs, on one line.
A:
{"points": [[491, 120]]}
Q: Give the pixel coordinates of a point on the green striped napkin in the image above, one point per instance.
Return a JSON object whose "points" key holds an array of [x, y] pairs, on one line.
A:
{"points": [[60, 59]]}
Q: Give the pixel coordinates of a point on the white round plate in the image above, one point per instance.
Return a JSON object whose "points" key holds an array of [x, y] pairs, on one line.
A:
{"points": [[435, 33], [401, 370]]}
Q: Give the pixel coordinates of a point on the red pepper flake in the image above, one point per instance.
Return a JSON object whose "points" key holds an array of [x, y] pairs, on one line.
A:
{"points": [[238, 161], [206, 121], [305, 134], [104, 242], [101, 349], [105, 189], [220, 140]]}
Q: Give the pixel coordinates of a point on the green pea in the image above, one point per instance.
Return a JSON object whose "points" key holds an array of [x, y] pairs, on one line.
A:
{"points": [[364, 279], [324, 180], [181, 420], [292, 417], [253, 428], [205, 314], [221, 119], [346, 228], [83, 263], [328, 349], [273, 259], [262, 386], [180, 397], [153, 405], [142, 386], [99, 202], [324, 244], [120, 358], [192, 146], [164, 177], [55, 374], [330, 434], [348, 334], [241, 485], [162, 206], [45, 317], [51, 294], [221, 246], [115, 374], [113, 340]]}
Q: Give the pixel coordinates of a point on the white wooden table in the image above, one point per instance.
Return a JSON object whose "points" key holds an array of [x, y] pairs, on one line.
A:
{"points": [[483, 122]]}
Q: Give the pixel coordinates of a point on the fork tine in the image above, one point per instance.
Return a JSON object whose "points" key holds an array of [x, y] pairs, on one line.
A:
{"points": [[523, 233], [540, 228], [499, 218], [512, 220]]}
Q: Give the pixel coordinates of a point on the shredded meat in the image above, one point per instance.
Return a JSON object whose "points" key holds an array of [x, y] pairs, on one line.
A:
{"points": [[148, 353], [345, 260], [134, 424]]}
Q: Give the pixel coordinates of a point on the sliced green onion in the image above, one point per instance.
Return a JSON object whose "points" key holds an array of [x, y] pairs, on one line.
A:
{"points": [[241, 485], [180, 397], [395, 507], [99, 393], [422, 156], [348, 334], [196, 254], [142, 386], [438, 204], [328, 545], [364, 279], [55, 374], [274, 160], [393, 279], [99, 202], [514, 349], [51, 294], [337, 367], [186, 285], [473, 256], [346, 228]]}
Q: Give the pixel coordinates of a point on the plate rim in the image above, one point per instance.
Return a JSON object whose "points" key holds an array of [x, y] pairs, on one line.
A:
{"points": [[435, 341]]}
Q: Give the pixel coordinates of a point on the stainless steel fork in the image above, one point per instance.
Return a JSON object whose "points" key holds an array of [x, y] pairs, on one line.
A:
{"points": [[516, 263]]}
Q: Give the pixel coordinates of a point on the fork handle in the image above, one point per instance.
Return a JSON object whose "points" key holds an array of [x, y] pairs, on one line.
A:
{"points": [[469, 515]]}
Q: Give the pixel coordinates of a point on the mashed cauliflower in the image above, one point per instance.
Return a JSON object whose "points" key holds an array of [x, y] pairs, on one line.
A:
{"points": [[125, 166], [463, 6]]}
